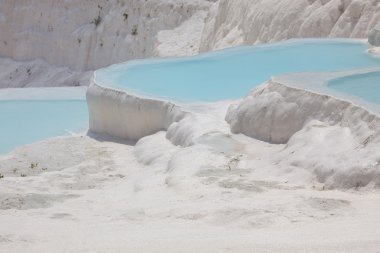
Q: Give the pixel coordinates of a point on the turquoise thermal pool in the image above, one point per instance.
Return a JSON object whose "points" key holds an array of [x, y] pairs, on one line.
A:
{"points": [[232, 73], [25, 121], [365, 86]]}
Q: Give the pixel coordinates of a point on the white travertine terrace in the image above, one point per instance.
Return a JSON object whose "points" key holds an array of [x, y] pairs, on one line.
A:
{"points": [[340, 139], [126, 116]]}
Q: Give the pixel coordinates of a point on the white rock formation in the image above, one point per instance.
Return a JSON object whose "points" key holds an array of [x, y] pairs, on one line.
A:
{"points": [[374, 36], [86, 35], [251, 22], [336, 140], [276, 111], [126, 116]]}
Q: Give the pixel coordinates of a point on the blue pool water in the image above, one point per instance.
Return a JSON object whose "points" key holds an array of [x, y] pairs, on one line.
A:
{"points": [[23, 121], [366, 86], [232, 73]]}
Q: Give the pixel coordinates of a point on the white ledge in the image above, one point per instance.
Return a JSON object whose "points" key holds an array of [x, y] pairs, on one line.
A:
{"points": [[127, 116]]}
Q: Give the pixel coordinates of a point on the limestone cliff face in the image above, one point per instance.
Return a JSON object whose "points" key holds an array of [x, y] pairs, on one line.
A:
{"points": [[50, 38], [374, 36], [259, 21], [88, 34]]}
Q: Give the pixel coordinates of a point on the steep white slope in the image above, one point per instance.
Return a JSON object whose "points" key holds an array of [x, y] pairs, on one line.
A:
{"points": [[87, 34], [260, 21]]}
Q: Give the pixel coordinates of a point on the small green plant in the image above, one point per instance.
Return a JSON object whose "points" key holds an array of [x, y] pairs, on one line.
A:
{"points": [[23, 175], [1, 176], [134, 31], [79, 40], [33, 165], [97, 21]]}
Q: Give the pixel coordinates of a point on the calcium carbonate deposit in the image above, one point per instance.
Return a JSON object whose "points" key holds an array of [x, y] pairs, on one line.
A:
{"points": [[291, 165]]}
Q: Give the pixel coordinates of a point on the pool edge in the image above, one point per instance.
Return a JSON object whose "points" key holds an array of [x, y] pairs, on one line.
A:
{"points": [[128, 116]]}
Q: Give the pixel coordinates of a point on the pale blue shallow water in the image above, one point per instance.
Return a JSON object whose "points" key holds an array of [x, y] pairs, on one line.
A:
{"points": [[23, 121], [232, 73], [365, 86]]}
